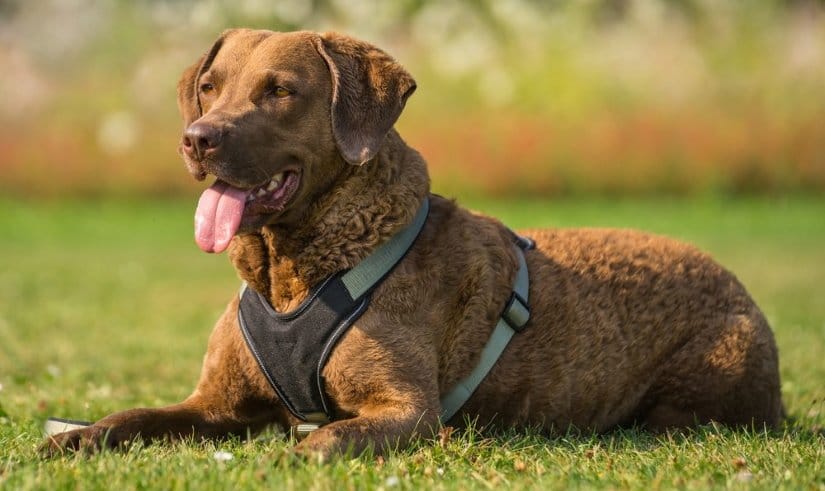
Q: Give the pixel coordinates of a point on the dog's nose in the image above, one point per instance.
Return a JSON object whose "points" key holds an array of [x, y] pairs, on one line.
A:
{"points": [[200, 139]]}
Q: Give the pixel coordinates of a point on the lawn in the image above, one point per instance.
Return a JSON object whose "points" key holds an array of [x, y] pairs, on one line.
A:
{"points": [[107, 305]]}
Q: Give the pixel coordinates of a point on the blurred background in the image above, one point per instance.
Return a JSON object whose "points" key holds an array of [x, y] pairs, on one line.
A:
{"points": [[607, 97]]}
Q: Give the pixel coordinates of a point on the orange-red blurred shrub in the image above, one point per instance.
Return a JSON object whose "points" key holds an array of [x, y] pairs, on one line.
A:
{"points": [[515, 96]]}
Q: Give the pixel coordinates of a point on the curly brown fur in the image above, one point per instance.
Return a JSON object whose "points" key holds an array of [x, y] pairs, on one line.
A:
{"points": [[626, 327]]}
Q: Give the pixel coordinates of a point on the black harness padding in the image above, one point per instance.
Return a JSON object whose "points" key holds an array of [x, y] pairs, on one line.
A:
{"points": [[293, 348]]}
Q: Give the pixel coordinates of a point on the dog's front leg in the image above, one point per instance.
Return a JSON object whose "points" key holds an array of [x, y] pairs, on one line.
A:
{"points": [[380, 429], [232, 398], [191, 418]]}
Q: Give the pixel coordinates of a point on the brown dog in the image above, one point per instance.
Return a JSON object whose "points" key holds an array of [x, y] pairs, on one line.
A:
{"points": [[626, 327]]}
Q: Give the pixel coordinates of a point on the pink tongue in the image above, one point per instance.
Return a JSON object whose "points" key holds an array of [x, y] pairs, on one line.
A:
{"points": [[218, 216]]}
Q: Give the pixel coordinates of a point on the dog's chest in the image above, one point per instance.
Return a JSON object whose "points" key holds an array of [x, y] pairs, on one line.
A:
{"points": [[292, 348]]}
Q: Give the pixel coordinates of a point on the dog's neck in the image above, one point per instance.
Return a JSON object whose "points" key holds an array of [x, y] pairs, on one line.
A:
{"points": [[367, 205]]}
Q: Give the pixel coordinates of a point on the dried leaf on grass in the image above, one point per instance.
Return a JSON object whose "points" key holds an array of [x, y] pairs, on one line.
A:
{"points": [[444, 435]]}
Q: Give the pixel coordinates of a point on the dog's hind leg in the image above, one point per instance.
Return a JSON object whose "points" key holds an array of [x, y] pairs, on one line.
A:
{"points": [[231, 398], [729, 375]]}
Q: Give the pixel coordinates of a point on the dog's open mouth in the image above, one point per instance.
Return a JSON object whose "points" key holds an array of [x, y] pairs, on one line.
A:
{"points": [[223, 208]]}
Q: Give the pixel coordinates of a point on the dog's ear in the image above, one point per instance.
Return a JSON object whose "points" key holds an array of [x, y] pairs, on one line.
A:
{"points": [[188, 101], [369, 90], [188, 93]]}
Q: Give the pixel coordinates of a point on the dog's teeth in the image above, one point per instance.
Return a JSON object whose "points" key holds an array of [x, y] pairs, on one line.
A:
{"points": [[250, 197], [261, 192], [272, 185], [278, 178]]}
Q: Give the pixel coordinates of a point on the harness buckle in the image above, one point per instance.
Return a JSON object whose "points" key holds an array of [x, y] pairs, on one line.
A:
{"points": [[312, 422], [516, 313], [525, 243], [301, 431]]}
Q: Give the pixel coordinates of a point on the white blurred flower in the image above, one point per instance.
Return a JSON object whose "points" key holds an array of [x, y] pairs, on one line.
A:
{"points": [[366, 19], [804, 45], [222, 456], [100, 392], [149, 85], [744, 476], [521, 16], [291, 11], [470, 51], [660, 61], [53, 370], [255, 8], [459, 42], [205, 14], [432, 25], [117, 133], [57, 29], [392, 481], [23, 88], [167, 14]]}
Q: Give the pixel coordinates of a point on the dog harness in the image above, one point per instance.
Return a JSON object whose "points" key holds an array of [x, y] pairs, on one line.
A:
{"points": [[293, 348]]}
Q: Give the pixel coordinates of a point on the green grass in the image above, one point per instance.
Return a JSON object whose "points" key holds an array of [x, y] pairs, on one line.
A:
{"points": [[108, 305]]}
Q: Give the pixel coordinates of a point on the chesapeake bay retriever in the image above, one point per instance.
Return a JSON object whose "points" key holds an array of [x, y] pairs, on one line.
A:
{"points": [[626, 327]]}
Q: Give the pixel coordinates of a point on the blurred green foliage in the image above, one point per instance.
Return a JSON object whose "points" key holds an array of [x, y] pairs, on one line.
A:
{"points": [[515, 96]]}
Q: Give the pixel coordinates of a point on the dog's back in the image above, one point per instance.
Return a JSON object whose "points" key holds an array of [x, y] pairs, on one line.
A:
{"points": [[631, 327]]}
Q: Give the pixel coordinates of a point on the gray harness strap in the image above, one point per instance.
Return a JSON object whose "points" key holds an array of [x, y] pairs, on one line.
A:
{"points": [[372, 269], [512, 320]]}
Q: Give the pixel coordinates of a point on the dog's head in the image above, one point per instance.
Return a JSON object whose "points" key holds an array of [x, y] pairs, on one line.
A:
{"points": [[276, 117]]}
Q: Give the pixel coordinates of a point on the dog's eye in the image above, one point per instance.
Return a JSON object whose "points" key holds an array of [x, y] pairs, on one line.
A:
{"points": [[280, 92], [207, 88]]}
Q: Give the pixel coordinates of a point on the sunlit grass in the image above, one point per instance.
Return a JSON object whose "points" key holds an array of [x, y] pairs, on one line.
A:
{"points": [[107, 305]]}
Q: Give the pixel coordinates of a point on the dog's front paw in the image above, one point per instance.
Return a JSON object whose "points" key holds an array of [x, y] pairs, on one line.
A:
{"points": [[319, 447], [310, 456], [91, 439], [313, 453]]}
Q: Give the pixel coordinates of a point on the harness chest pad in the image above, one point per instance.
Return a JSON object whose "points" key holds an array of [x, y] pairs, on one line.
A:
{"points": [[292, 348]]}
